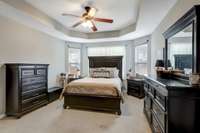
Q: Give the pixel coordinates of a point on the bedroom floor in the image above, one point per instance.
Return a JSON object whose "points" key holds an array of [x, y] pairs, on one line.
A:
{"points": [[53, 119]]}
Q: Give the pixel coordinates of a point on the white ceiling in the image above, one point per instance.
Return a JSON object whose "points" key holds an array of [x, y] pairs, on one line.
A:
{"points": [[123, 12], [143, 15]]}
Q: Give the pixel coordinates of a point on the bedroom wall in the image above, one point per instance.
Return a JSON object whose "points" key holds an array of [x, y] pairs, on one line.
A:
{"points": [[157, 41], [21, 44]]}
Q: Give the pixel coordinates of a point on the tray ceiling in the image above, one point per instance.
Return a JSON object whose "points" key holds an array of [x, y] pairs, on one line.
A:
{"points": [[132, 18], [123, 12]]}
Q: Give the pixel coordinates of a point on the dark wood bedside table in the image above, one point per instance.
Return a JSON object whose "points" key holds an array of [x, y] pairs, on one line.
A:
{"points": [[54, 93], [135, 87]]}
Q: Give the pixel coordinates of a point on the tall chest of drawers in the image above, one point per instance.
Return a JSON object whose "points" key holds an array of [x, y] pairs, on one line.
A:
{"points": [[26, 88]]}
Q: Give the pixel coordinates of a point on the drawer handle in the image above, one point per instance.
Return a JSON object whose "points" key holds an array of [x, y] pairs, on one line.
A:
{"points": [[35, 102], [36, 94]]}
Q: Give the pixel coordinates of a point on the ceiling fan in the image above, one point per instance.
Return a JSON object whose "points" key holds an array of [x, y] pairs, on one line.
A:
{"points": [[88, 18]]}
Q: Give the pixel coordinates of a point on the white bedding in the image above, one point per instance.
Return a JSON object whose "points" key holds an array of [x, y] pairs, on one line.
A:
{"points": [[114, 81]]}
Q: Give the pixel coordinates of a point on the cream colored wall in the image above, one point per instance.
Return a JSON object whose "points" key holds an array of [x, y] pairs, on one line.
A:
{"points": [[157, 41], [21, 44]]}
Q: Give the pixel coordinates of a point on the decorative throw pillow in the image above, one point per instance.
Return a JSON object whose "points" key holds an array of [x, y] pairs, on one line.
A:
{"points": [[101, 74], [113, 72]]}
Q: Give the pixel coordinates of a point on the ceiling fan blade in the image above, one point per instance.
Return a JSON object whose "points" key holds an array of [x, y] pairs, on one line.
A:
{"points": [[94, 28], [66, 14], [103, 20], [77, 24]]}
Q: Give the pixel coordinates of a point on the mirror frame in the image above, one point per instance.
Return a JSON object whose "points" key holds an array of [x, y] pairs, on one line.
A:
{"points": [[191, 17]]}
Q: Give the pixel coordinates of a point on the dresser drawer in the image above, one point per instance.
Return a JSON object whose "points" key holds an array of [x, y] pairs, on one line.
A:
{"points": [[29, 103], [33, 80], [34, 87], [147, 106], [162, 100], [146, 86], [41, 71], [155, 125], [27, 72], [160, 114], [150, 90], [35, 93]]}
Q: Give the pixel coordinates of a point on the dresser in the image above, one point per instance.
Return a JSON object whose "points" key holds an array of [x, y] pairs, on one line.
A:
{"points": [[135, 87], [26, 88], [171, 106]]}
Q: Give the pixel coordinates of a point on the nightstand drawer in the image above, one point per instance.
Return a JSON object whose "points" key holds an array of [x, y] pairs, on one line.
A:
{"points": [[132, 91], [130, 87]]}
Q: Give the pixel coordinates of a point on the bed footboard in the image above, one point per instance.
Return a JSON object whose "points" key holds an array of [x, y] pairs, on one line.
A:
{"points": [[93, 102]]}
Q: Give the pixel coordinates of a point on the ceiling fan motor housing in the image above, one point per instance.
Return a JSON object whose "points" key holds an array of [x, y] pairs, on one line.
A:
{"points": [[87, 8]]}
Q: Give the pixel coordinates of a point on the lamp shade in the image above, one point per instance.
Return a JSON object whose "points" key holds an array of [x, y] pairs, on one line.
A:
{"points": [[159, 63]]}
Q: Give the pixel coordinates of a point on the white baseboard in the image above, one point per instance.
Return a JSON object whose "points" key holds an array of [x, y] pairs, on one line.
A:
{"points": [[2, 116]]}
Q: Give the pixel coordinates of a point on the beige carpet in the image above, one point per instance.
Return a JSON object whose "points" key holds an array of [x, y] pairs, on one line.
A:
{"points": [[54, 119]]}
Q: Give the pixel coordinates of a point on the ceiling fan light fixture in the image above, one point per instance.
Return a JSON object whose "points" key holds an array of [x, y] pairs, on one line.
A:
{"points": [[87, 23], [92, 12], [84, 24], [88, 19]]}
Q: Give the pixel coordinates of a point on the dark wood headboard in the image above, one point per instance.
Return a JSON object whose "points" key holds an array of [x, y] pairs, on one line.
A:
{"points": [[106, 61], [183, 61]]}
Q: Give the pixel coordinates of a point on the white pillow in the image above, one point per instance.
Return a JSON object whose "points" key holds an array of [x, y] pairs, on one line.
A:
{"points": [[116, 73]]}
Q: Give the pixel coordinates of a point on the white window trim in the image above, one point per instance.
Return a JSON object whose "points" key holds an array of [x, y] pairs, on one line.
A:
{"points": [[148, 42], [68, 62]]}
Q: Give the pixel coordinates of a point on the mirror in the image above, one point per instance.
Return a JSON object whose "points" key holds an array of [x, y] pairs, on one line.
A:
{"points": [[180, 51]]}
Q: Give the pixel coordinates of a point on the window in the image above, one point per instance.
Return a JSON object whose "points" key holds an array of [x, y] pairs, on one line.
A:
{"points": [[106, 51], [141, 59], [74, 61]]}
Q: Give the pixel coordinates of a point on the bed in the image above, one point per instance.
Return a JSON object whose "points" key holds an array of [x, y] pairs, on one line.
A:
{"points": [[108, 99]]}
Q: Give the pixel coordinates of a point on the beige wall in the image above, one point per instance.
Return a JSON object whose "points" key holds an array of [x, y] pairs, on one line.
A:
{"points": [[158, 42], [21, 44]]}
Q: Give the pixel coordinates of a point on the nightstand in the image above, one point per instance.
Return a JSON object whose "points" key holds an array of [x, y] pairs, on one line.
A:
{"points": [[135, 87], [54, 93]]}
